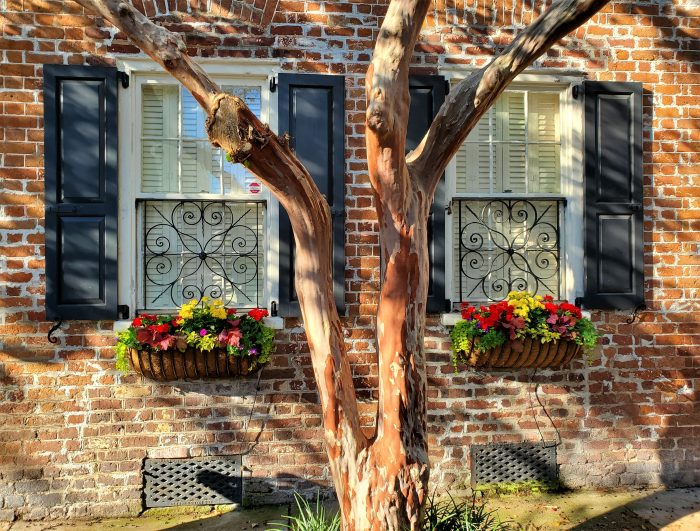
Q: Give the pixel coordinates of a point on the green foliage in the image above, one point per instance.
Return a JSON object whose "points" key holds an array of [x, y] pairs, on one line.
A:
{"points": [[472, 515], [126, 339], [310, 518], [587, 335]]}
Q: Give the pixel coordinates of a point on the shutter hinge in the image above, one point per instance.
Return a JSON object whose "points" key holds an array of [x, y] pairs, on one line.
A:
{"points": [[273, 309], [273, 84], [575, 91], [124, 79], [123, 311], [448, 208]]}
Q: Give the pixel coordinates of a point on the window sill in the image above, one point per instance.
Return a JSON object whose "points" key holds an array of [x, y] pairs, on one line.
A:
{"points": [[450, 319], [276, 323]]}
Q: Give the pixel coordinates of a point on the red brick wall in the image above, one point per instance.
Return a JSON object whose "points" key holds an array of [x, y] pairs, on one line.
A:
{"points": [[73, 431]]}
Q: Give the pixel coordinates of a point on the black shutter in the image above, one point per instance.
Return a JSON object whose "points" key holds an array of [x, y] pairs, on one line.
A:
{"points": [[311, 109], [613, 208], [80, 150], [427, 95]]}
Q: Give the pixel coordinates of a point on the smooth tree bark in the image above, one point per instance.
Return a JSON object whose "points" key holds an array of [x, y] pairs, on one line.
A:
{"points": [[381, 481]]}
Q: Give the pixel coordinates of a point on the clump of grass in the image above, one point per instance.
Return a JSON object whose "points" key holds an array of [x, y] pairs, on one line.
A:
{"points": [[471, 515], [310, 518]]}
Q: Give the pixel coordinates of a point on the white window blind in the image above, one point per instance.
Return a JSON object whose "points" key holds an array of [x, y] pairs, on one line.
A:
{"points": [[506, 152], [176, 155]]}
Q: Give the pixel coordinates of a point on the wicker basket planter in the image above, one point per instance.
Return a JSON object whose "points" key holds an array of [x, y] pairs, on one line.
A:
{"points": [[534, 354], [172, 365]]}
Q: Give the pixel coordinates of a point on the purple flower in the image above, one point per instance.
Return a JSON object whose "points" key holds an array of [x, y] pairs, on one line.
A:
{"points": [[253, 352], [203, 332]]}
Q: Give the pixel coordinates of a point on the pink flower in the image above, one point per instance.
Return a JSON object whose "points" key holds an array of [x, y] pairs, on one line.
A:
{"points": [[203, 332]]}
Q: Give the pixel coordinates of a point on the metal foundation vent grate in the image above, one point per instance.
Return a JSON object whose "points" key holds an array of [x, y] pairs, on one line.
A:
{"points": [[199, 481], [512, 463]]}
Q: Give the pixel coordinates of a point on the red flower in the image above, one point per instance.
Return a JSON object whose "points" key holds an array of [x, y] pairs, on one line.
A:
{"points": [[137, 322], [230, 311], [258, 313], [551, 307], [547, 298], [573, 310], [163, 328], [468, 312]]}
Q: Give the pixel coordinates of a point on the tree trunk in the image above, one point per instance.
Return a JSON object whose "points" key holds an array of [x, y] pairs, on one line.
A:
{"points": [[392, 485]]}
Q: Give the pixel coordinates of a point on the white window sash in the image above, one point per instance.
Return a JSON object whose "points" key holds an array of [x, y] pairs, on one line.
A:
{"points": [[142, 70]]}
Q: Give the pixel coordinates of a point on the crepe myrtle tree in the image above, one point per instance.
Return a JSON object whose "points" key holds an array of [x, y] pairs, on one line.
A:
{"points": [[381, 481]]}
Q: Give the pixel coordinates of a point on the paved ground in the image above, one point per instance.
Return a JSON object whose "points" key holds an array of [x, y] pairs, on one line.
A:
{"points": [[674, 510]]}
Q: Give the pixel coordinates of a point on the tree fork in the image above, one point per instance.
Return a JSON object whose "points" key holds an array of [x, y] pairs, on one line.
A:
{"points": [[381, 483]]}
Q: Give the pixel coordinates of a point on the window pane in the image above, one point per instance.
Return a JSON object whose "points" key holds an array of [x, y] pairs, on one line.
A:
{"points": [[510, 117], [515, 147], [192, 164], [544, 169], [501, 245], [159, 147], [203, 248]]}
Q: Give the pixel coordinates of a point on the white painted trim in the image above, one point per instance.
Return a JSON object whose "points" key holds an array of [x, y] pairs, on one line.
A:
{"points": [[143, 70], [214, 66], [450, 319], [535, 76]]}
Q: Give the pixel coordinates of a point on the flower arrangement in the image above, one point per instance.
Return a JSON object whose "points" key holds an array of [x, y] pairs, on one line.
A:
{"points": [[204, 325], [521, 316]]}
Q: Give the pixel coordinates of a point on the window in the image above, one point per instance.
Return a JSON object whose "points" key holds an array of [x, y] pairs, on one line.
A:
{"points": [[510, 185], [200, 225]]}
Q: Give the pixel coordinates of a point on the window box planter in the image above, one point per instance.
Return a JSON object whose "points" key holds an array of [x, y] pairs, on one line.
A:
{"points": [[204, 340], [523, 331], [533, 354], [169, 365]]}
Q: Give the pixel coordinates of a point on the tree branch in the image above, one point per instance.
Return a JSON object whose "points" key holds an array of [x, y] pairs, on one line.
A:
{"points": [[164, 47], [387, 105], [472, 97]]}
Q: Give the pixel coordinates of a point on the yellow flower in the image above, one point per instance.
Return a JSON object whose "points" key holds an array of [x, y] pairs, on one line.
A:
{"points": [[218, 312], [187, 309]]}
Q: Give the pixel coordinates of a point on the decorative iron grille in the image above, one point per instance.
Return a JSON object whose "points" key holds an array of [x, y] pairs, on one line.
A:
{"points": [[507, 244], [193, 249], [197, 481], [497, 463]]}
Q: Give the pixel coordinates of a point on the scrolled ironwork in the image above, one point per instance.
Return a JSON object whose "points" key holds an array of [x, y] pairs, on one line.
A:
{"points": [[508, 244], [193, 249]]}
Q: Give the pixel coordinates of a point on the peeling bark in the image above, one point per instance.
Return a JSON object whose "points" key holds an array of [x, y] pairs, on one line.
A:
{"points": [[381, 483]]}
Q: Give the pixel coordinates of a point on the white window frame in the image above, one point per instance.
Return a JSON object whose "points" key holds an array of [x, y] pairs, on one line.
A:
{"points": [[572, 168], [257, 72]]}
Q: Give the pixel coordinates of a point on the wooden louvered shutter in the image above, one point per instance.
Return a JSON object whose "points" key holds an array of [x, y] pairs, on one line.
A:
{"points": [[427, 95], [312, 110], [613, 185], [80, 146]]}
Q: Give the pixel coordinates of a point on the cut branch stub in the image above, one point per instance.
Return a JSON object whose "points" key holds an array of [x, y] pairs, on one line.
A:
{"points": [[228, 129]]}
